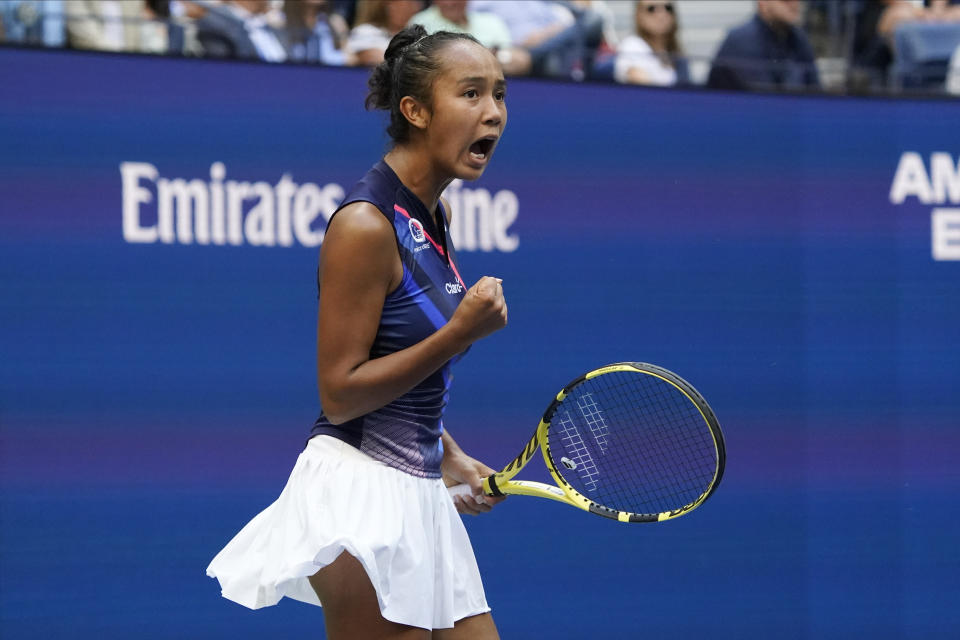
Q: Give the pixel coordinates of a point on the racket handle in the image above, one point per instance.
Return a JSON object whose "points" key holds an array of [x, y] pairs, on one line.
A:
{"points": [[461, 490]]}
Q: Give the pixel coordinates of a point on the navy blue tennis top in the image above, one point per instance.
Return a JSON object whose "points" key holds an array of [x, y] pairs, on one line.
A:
{"points": [[405, 434]]}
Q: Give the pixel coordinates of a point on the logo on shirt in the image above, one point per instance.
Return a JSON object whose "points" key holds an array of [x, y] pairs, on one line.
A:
{"points": [[416, 230], [454, 287]]}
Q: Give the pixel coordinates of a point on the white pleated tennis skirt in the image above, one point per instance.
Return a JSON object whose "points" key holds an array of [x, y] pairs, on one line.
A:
{"points": [[404, 530]]}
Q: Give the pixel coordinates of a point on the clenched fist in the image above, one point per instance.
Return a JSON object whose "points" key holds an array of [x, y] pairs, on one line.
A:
{"points": [[482, 311]]}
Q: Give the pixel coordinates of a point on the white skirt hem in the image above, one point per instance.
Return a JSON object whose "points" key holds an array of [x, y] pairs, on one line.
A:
{"points": [[403, 530]]}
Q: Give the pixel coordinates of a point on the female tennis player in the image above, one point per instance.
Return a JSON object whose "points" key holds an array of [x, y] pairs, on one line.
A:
{"points": [[365, 526]]}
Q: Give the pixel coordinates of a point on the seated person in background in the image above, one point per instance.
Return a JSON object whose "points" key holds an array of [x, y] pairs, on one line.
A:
{"points": [[547, 30], [873, 40], [377, 22], [598, 22], [168, 27], [769, 52], [106, 25], [873, 49], [316, 33], [943, 10], [38, 22], [488, 29], [953, 74], [652, 56], [239, 29]]}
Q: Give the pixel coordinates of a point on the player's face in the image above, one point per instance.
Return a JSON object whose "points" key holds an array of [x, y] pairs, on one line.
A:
{"points": [[468, 112]]}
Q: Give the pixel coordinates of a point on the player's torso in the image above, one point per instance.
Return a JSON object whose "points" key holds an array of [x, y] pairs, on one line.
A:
{"points": [[406, 432]]}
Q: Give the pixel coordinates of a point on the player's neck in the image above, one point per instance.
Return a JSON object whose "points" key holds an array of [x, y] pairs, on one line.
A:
{"points": [[417, 175]]}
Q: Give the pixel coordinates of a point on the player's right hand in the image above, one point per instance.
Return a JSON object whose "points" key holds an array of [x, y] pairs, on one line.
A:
{"points": [[482, 311]]}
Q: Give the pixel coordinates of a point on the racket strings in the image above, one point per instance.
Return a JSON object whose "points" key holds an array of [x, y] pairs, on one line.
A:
{"points": [[674, 452], [633, 442]]}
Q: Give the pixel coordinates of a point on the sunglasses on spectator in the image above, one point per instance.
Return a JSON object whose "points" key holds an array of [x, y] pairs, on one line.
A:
{"points": [[653, 8]]}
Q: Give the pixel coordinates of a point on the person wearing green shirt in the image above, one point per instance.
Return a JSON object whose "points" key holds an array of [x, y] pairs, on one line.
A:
{"points": [[489, 29]]}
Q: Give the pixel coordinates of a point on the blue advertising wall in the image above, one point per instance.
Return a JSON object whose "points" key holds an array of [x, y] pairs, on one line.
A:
{"points": [[794, 257]]}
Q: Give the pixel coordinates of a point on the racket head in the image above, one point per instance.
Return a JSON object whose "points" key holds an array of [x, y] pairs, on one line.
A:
{"points": [[633, 442]]}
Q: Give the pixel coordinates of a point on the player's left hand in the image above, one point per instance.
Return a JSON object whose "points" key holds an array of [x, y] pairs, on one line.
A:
{"points": [[459, 468]]}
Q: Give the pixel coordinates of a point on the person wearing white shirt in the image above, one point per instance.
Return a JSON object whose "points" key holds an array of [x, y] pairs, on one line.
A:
{"points": [[652, 55], [377, 22], [104, 25]]}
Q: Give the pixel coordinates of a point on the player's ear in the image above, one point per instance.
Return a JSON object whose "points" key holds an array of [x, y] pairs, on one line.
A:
{"points": [[415, 112]]}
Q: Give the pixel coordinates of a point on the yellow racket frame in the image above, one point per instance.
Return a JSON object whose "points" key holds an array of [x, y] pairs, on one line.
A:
{"points": [[502, 482]]}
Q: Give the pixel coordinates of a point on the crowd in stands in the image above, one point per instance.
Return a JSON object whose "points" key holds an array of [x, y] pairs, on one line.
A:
{"points": [[883, 45]]}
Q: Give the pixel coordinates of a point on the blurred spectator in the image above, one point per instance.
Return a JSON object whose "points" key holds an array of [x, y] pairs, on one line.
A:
{"points": [[107, 25], [873, 45], [923, 49], [32, 22], [769, 52], [601, 12], [377, 22], [653, 56], [951, 11], [873, 40], [599, 26], [489, 29], [316, 33], [943, 10], [240, 29], [953, 74], [547, 30], [164, 32]]}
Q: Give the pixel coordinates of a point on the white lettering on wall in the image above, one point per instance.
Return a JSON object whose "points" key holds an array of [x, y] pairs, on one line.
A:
{"points": [[220, 211], [945, 226], [482, 220], [945, 178], [134, 195], [189, 204], [938, 185]]}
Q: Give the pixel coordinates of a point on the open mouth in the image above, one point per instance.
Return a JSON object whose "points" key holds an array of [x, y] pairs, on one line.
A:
{"points": [[481, 149]]}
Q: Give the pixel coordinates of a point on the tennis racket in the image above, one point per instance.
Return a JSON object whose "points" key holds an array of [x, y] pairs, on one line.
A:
{"points": [[629, 441]]}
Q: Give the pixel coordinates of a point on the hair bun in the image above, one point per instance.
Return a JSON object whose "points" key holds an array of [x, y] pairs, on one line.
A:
{"points": [[381, 80], [403, 39]]}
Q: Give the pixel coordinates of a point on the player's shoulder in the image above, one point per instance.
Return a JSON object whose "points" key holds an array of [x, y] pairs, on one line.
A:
{"points": [[359, 221]]}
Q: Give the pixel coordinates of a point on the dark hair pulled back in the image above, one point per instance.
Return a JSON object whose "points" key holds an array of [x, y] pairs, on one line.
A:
{"points": [[409, 67]]}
